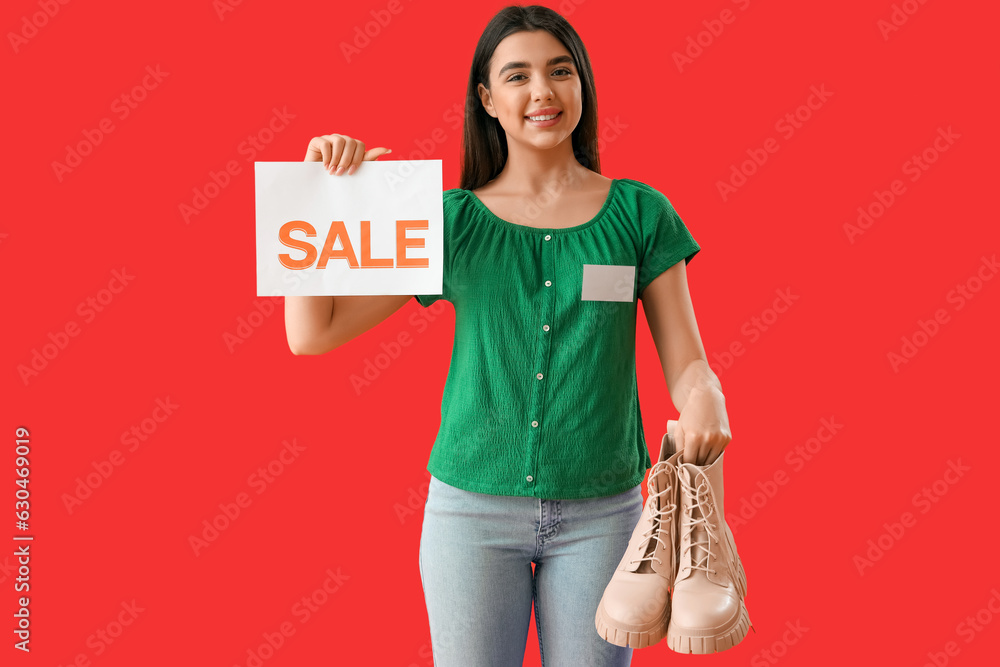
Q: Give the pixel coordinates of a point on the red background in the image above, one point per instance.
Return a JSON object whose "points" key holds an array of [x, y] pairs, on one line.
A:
{"points": [[338, 505]]}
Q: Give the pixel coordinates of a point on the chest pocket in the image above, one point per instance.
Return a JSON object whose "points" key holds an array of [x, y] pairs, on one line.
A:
{"points": [[608, 282]]}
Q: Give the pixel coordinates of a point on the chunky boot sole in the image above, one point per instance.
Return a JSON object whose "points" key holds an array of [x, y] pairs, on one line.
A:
{"points": [[683, 643], [634, 637]]}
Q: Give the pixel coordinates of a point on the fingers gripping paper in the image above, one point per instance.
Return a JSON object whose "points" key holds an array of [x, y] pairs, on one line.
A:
{"points": [[376, 231]]}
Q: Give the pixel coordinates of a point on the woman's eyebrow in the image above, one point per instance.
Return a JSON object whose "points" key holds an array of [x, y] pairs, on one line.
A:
{"points": [[519, 64]]}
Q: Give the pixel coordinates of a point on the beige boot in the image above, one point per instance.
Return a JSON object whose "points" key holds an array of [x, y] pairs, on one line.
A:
{"points": [[635, 608], [707, 609]]}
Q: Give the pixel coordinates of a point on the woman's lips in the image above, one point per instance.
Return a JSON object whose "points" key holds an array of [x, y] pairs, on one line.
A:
{"points": [[545, 123]]}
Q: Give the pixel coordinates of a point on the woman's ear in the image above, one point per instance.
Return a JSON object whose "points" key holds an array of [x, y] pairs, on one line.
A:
{"points": [[487, 100]]}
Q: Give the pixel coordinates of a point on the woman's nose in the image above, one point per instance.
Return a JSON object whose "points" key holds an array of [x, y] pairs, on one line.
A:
{"points": [[542, 92]]}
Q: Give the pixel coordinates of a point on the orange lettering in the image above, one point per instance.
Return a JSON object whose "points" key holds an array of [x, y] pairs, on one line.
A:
{"points": [[284, 235], [337, 229], [403, 242], [366, 249]]}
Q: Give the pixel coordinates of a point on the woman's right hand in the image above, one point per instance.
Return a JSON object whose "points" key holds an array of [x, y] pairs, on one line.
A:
{"points": [[338, 153]]}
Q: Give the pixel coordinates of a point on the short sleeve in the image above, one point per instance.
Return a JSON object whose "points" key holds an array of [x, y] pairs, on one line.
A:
{"points": [[427, 299], [665, 239], [448, 209]]}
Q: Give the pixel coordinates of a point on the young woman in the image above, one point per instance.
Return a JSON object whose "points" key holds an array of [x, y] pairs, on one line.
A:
{"points": [[541, 454]]}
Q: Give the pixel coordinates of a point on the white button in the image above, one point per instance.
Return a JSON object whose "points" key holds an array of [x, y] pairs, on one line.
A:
{"points": [[534, 423], [548, 283], [548, 236], [545, 327], [539, 376], [529, 478]]}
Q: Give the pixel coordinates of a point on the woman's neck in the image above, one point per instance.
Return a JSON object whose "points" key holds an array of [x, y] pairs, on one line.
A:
{"points": [[529, 170]]}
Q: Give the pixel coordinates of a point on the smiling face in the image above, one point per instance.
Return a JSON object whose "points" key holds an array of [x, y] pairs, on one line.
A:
{"points": [[532, 72]]}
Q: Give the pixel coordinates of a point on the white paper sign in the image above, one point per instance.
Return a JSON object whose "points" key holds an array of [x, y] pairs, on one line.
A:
{"points": [[379, 230]]}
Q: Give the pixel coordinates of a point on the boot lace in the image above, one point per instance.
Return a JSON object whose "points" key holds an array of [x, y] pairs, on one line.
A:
{"points": [[662, 512], [701, 526]]}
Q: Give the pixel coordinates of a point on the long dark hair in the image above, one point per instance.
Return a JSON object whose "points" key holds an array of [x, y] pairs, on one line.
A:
{"points": [[484, 142]]}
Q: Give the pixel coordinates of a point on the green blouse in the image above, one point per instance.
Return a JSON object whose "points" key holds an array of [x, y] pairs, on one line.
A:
{"points": [[541, 397]]}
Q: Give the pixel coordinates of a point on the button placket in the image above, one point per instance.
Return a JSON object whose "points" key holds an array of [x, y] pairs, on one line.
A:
{"points": [[546, 312]]}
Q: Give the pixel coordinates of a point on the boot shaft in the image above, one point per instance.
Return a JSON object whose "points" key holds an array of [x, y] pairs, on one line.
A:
{"points": [[706, 546]]}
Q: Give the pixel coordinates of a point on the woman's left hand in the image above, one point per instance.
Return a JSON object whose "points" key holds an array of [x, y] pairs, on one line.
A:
{"points": [[702, 431]]}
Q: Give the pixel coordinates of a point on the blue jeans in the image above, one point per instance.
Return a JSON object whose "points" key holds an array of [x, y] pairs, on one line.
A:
{"points": [[475, 561]]}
